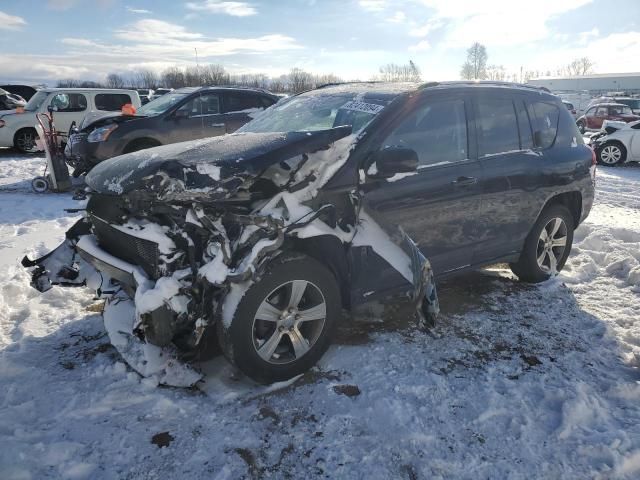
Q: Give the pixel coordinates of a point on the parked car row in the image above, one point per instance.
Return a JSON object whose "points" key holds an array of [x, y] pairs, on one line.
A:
{"points": [[17, 127], [256, 240], [185, 114]]}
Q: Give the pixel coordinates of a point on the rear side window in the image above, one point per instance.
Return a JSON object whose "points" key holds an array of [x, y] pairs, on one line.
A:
{"points": [[111, 102], [497, 126], [524, 126], [546, 128], [238, 102], [437, 131]]}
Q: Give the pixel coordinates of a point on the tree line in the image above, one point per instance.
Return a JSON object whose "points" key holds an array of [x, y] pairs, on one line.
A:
{"points": [[476, 67], [296, 81]]}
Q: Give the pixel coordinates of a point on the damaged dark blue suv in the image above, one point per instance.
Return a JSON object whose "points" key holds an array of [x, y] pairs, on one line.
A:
{"points": [[257, 240]]}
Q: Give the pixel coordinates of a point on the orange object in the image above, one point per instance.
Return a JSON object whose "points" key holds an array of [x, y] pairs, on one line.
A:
{"points": [[19, 109], [128, 109]]}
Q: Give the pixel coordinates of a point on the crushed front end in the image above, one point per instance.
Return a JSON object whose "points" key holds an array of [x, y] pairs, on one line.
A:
{"points": [[167, 236]]}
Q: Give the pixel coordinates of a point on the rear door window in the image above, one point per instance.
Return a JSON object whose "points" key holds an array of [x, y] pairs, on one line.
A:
{"points": [[546, 127], [497, 126], [235, 102], [524, 125], [111, 102], [437, 131]]}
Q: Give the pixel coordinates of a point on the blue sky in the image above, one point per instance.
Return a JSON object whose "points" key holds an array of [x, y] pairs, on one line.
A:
{"points": [[45, 40]]}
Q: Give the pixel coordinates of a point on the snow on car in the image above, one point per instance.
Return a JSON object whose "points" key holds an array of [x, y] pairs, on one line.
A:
{"points": [[536, 381]]}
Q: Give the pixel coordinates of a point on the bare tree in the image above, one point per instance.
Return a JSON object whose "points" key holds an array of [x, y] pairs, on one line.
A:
{"points": [[68, 83], [299, 80], [145, 78], [214, 74], [496, 73], [392, 72], [115, 81], [475, 67], [581, 66]]}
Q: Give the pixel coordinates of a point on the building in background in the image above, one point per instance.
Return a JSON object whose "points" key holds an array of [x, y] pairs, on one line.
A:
{"points": [[594, 84]]}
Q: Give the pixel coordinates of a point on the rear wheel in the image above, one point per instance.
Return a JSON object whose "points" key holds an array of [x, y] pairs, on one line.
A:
{"points": [[611, 153], [547, 246], [25, 140], [284, 322]]}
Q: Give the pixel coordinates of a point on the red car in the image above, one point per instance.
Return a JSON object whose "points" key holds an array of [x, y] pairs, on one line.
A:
{"points": [[594, 116]]}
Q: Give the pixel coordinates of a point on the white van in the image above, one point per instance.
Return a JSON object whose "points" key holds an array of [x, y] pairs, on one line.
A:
{"points": [[17, 127]]}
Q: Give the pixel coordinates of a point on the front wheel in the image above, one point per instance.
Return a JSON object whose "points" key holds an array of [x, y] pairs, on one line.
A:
{"points": [[547, 246], [284, 322], [25, 140]]}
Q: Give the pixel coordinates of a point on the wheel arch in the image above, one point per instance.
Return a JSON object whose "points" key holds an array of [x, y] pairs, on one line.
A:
{"points": [[331, 252], [572, 200], [128, 148]]}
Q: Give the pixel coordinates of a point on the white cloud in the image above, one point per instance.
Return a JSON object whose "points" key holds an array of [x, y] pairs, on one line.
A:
{"points": [[236, 9], [424, 30], [11, 22], [420, 46], [155, 31], [584, 37], [373, 5], [140, 11], [615, 53], [399, 17], [498, 22]]}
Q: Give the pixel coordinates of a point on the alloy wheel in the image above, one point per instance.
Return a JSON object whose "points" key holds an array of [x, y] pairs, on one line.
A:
{"points": [[26, 141], [610, 154], [551, 245], [289, 322]]}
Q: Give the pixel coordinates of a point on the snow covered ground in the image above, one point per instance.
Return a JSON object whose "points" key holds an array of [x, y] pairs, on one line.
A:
{"points": [[517, 381]]}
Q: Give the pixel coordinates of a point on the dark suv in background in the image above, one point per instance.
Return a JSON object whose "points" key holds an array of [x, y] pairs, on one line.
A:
{"points": [[329, 199], [185, 114]]}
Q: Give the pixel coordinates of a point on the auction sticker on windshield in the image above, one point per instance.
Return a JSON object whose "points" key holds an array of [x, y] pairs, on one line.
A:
{"points": [[362, 107]]}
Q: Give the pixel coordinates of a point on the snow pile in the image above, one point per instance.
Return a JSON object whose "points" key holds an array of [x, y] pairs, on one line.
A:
{"points": [[518, 381]]}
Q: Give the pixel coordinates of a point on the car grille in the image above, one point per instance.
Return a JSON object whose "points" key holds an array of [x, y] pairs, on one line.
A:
{"points": [[137, 251]]}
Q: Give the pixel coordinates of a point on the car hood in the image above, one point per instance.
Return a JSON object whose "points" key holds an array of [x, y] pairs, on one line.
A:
{"points": [[95, 120], [216, 166]]}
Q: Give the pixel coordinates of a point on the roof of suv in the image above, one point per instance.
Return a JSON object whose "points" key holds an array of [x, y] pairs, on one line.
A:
{"points": [[188, 90], [393, 89]]}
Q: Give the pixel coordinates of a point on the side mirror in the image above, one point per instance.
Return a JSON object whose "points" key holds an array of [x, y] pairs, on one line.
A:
{"points": [[386, 163]]}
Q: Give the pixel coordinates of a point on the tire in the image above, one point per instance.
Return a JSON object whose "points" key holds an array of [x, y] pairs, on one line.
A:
{"points": [[278, 347], [25, 140], [611, 154], [40, 184], [582, 127], [141, 144], [536, 246]]}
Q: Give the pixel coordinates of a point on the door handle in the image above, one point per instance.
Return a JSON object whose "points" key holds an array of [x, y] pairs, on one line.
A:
{"points": [[217, 124], [464, 181]]}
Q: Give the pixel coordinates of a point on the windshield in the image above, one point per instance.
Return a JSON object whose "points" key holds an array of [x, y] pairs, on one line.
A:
{"points": [[316, 112], [632, 103], [161, 104], [36, 101]]}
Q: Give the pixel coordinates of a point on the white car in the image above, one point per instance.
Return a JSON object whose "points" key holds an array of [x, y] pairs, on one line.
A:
{"points": [[17, 127], [617, 143]]}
